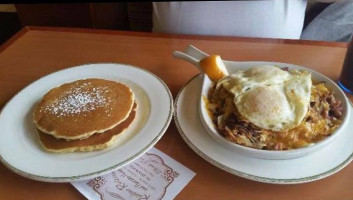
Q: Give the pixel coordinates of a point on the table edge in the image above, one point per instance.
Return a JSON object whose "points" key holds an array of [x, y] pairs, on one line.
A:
{"points": [[13, 38], [26, 29]]}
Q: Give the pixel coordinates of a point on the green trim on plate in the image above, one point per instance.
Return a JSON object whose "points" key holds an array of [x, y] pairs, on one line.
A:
{"points": [[246, 175], [106, 170]]}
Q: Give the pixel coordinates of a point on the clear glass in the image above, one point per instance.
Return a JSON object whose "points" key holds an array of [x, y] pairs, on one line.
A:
{"points": [[346, 78]]}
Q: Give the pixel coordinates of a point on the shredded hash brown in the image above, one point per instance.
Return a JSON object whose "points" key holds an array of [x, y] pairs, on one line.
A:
{"points": [[323, 117]]}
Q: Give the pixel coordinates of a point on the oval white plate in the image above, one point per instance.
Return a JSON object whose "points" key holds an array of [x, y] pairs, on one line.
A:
{"points": [[21, 152], [322, 163]]}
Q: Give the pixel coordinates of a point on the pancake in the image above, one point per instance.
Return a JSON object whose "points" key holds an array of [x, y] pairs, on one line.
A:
{"points": [[94, 142], [78, 109]]}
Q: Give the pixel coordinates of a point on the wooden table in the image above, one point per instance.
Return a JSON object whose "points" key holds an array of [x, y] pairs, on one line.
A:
{"points": [[37, 51]]}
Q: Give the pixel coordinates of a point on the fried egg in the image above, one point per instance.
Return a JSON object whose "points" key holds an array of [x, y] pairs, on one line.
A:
{"points": [[270, 97]]}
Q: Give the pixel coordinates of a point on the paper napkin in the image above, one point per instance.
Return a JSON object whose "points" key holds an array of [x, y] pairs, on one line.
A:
{"points": [[152, 176]]}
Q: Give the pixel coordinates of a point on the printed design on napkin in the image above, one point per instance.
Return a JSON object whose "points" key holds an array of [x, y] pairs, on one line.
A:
{"points": [[136, 180], [98, 182]]}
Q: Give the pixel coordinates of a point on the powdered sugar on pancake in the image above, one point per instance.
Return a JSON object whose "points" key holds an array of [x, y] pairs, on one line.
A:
{"points": [[79, 100]]}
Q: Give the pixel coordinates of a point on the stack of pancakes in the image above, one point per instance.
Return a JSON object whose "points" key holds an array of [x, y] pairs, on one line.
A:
{"points": [[84, 115]]}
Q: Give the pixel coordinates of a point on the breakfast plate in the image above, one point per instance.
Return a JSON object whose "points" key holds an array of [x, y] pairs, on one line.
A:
{"points": [[317, 165], [21, 152], [263, 68]]}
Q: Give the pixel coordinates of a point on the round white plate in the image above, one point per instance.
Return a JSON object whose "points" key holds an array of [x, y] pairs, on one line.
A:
{"points": [[21, 152], [322, 163]]}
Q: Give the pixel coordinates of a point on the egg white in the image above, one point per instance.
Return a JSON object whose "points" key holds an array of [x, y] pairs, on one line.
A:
{"points": [[270, 97]]}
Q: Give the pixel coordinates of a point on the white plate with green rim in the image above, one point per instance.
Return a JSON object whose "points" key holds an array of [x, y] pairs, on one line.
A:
{"points": [[21, 152], [317, 165]]}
